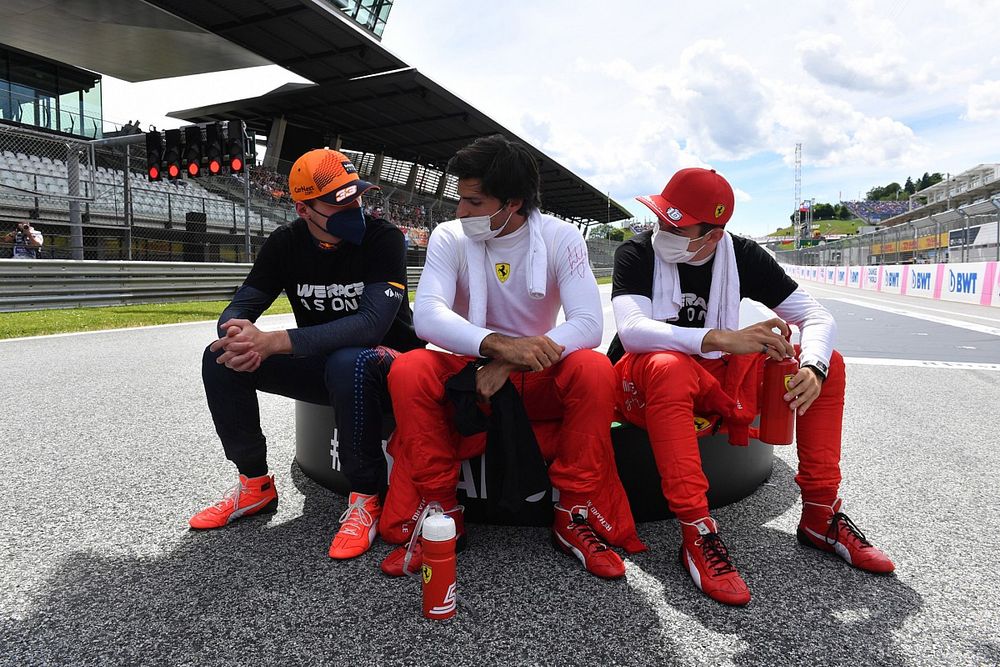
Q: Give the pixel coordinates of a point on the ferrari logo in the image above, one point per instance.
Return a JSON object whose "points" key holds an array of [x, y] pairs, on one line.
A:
{"points": [[700, 424], [719, 210], [503, 271], [425, 570]]}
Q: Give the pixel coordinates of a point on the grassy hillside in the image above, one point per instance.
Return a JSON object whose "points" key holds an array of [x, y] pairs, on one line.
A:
{"points": [[827, 227]]}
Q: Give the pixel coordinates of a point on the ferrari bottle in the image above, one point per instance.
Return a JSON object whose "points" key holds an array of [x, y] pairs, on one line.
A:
{"points": [[437, 541], [777, 419]]}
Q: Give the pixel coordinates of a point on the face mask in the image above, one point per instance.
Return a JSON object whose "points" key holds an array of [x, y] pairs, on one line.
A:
{"points": [[477, 227], [348, 225], [674, 249]]}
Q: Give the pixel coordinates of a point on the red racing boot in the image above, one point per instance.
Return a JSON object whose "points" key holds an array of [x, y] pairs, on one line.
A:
{"points": [[358, 526], [571, 533], [826, 528], [392, 565], [252, 495], [706, 559]]}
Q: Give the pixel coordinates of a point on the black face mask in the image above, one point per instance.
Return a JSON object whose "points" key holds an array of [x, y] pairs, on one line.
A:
{"points": [[348, 225]]}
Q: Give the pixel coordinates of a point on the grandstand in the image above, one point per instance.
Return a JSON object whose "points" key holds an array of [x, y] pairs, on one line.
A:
{"points": [[973, 186], [403, 148], [875, 212]]}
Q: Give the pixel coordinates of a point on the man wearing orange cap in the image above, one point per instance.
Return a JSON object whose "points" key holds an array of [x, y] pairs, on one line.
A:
{"points": [[345, 277], [676, 296]]}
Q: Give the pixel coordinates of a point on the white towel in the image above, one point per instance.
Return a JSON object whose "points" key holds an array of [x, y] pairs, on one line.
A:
{"points": [[723, 311], [475, 257]]}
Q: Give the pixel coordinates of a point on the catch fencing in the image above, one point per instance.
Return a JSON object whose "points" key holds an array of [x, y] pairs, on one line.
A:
{"points": [[967, 234], [94, 201]]}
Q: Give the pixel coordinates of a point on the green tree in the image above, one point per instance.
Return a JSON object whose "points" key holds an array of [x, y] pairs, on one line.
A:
{"points": [[823, 212], [875, 193], [909, 186], [616, 234], [602, 231]]}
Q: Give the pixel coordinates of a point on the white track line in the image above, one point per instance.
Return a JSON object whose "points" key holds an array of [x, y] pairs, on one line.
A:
{"points": [[905, 312], [264, 323], [911, 306], [922, 363]]}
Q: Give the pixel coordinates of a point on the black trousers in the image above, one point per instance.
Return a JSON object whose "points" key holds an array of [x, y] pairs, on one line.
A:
{"points": [[352, 380]]}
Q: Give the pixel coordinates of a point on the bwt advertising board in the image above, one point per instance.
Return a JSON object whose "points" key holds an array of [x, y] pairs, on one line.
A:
{"points": [[969, 282], [892, 279], [920, 280], [964, 282]]}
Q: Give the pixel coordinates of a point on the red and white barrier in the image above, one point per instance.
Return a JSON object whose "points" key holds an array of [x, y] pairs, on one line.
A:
{"points": [[973, 282]]}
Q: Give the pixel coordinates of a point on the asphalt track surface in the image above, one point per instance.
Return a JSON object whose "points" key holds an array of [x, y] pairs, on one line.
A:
{"points": [[108, 448]]}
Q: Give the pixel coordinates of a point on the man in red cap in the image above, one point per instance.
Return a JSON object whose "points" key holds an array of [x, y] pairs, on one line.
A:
{"points": [[345, 277], [676, 296]]}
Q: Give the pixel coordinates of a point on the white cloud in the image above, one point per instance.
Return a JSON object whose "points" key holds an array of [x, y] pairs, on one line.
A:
{"points": [[830, 60], [834, 133], [983, 102], [726, 110], [722, 100]]}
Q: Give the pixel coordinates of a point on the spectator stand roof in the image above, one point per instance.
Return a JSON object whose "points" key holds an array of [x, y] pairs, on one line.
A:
{"points": [[364, 94], [311, 38], [407, 116]]}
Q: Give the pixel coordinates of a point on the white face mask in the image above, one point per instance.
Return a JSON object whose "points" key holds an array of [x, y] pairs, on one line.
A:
{"points": [[477, 227], [674, 249]]}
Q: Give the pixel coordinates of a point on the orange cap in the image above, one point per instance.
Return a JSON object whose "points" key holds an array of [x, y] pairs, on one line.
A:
{"points": [[326, 175]]}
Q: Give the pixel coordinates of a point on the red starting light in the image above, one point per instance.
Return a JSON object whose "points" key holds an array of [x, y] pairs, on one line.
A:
{"points": [[236, 164], [214, 167], [173, 171], [154, 173], [193, 169]]}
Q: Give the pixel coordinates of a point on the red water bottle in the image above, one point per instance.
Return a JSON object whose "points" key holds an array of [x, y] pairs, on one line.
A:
{"points": [[777, 420], [437, 541]]}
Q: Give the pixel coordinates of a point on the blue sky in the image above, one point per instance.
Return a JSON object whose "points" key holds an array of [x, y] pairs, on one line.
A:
{"points": [[626, 93]]}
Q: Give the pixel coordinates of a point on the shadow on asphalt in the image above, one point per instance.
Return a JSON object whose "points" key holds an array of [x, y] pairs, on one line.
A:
{"points": [[264, 590]]}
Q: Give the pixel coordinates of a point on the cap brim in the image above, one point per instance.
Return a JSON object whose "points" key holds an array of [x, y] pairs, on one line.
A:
{"points": [[666, 212], [346, 194]]}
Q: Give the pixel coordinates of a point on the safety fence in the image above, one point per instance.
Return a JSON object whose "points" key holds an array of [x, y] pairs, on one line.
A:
{"points": [[42, 284], [965, 234], [965, 282], [95, 201]]}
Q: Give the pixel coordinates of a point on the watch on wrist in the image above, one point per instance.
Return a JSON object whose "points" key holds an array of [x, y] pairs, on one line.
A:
{"points": [[817, 367]]}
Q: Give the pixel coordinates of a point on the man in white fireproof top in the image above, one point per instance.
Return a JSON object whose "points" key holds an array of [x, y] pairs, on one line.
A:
{"points": [[492, 287]]}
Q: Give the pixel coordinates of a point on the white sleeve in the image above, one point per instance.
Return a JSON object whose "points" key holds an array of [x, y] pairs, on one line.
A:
{"points": [[581, 300], [433, 317], [639, 332], [818, 328]]}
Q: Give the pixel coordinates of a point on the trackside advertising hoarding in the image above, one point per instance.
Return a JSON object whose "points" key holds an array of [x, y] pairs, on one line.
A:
{"points": [[971, 282]]}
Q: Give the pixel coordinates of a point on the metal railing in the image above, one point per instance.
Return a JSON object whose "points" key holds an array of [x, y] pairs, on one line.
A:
{"points": [[43, 284], [40, 284]]}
